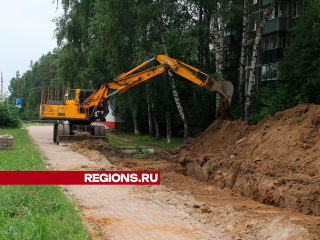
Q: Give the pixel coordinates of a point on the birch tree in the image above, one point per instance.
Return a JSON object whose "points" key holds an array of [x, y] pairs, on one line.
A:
{"points": [[243, 51], [218, 31], [254, 57]]}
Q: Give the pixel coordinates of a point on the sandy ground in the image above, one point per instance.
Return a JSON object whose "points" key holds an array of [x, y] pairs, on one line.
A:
{"points": [[247, 182], [118, 211], [193, 181]]}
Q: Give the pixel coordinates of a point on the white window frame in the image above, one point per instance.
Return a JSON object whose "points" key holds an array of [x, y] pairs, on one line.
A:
{"points": [[272, 70], [254, 25], [295, 8]]}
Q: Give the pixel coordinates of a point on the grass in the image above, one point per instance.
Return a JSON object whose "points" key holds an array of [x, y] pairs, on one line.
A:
{"points": [[118, 142], [144, 140], [299, 119], [34, 211]]}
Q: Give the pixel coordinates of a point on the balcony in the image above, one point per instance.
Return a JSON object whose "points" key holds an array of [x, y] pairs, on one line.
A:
{"points": [[271, 56], [276, 24], [266, 2]]}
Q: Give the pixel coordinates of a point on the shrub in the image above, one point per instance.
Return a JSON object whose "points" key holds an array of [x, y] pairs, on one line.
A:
{"points": [[9, 116]]}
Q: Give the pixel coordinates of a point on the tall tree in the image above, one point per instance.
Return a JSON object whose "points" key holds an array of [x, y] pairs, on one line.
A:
{"points": [[254, 57], [243, 51]]}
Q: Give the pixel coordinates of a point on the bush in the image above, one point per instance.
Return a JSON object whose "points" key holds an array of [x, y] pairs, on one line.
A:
{"points": [[9, 116], [271, 98]]}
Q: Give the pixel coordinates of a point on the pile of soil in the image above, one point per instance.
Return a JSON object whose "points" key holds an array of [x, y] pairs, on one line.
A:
{"points": [[275, 162], [81, 134], [265, 162], [222, 209]]}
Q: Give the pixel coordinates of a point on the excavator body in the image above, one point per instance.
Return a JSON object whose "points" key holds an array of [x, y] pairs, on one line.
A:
{"points": [[82, 107]]}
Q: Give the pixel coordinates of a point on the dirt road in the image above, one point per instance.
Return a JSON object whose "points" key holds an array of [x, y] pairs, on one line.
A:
{"points": [[119, 212], [275, 164], [236, 216]]}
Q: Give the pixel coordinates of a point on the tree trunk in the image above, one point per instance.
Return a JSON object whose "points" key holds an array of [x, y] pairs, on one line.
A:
{"points": [[136, 126], [168, 118], [150, 112], [168, 125], [63, 94], [150, 120], [156, 124], [218, 30], [254, 58], [177, 100], [180, 108], [243, 52]]}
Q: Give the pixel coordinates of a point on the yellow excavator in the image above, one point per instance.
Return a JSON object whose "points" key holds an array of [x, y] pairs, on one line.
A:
{"points": [[84, 106]]}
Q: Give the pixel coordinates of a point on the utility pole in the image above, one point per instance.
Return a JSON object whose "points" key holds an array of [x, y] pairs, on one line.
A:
{"points": [[1, 84]]}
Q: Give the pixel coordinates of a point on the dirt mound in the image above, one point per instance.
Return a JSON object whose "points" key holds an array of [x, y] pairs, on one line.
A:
{"points": [[275, 162], [223, 111], [81, 134]]}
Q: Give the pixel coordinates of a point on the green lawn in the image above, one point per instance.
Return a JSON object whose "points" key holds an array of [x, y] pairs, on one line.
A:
{"points": [[144, 140], [34, 212]]}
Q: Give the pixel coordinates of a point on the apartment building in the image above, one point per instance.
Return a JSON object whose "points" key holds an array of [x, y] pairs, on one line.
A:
{"points": [[276, 34]]}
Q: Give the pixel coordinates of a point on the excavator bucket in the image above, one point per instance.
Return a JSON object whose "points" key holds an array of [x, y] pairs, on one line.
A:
{"points": [[225, 88]]}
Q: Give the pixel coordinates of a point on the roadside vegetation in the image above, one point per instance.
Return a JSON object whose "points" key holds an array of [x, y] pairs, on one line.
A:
{"points": [[97, 44], [118, 139], [34, 212], [9, 116]]}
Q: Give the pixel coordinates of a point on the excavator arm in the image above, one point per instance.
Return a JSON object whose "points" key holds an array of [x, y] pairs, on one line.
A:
{"points": [[127, 80], [80, 114]]}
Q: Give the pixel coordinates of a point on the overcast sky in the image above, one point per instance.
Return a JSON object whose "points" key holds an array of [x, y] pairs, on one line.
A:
{"points": [[26, 33]]}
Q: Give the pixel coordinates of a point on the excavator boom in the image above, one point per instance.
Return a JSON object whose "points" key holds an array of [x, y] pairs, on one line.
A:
{"points": [[88, 106], [127, 80]]}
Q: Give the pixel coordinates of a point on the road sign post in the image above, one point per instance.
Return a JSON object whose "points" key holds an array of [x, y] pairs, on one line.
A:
{"points": [[18, 102]]}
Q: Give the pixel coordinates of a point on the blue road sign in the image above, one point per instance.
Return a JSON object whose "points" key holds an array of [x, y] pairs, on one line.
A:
{"points": [[18, 101]]}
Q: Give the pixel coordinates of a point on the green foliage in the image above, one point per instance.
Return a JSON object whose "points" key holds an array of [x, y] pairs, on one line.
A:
{"points": [[299, 68], [237, 111], [144, 140], [299, 119], [9, 116], [272, 98], [300, 64], [40, 82], [34, 212], [102, 39]]}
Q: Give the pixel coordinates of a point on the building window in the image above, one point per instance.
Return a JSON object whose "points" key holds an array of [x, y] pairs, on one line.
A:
{"points": [[265, 43], [282, 40], [281, 9], [295, 10], [271, 16], [254, 25], [269, 72], [273, 41], [270, 41]]}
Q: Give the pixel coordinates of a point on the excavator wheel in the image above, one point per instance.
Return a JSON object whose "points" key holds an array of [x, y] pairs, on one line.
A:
{"points": [[59, 132], [66, 129], [102, 131], [96, 130], [55, 132]]}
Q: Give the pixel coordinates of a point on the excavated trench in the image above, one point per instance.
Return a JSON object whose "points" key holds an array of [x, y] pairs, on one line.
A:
{"points": [[275, 162]]}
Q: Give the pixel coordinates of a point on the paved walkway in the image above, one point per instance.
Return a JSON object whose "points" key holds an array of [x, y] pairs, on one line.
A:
{"points": [[114, 212]]}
